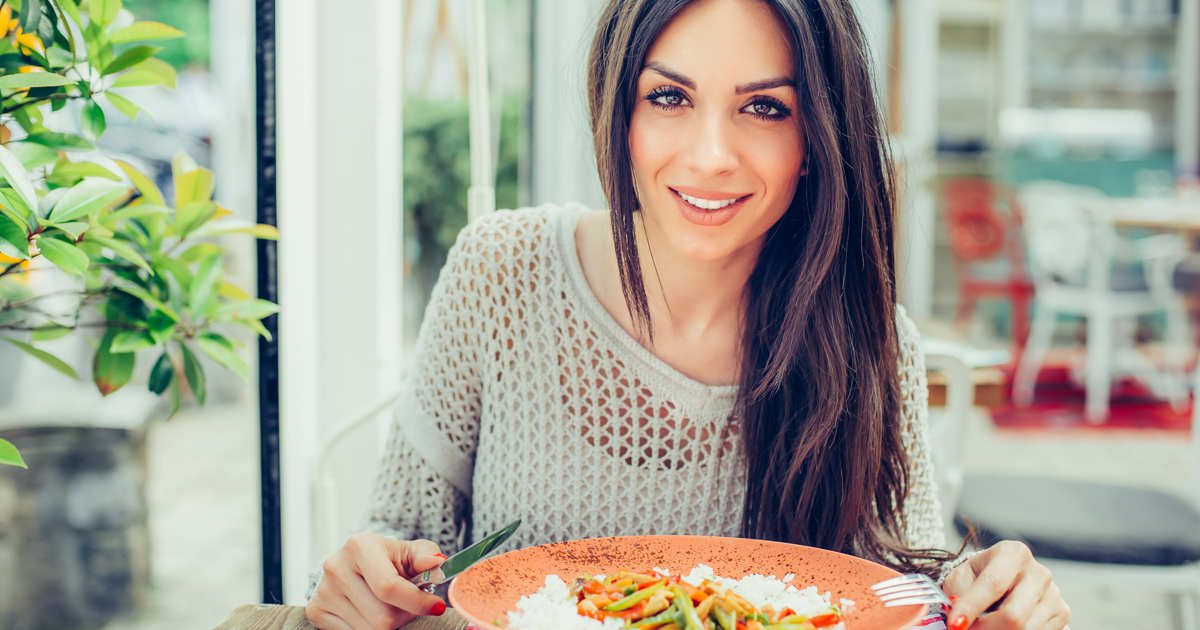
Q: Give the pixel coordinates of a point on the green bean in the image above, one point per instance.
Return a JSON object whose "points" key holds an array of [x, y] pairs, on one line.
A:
{"points": [[629, 600]]}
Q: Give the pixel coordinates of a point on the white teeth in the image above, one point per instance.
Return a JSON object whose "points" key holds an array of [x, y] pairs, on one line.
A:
{"points": [[706, 204]]}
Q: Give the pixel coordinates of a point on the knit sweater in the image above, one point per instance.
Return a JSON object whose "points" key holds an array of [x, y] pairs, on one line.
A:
{"points": [[530, 400]]}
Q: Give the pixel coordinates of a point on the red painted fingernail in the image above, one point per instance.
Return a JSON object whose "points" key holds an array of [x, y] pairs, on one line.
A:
{"points": [[953, 598], [438, 608], [959, 623], [440, 555]]}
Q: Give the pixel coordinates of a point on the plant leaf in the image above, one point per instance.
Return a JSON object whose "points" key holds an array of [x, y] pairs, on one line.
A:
{"points": [[221, 350], [14, 172], [198, 252], [68, 174], [260, 230], [111, 370], [122, 249], [246, 309], [233, 291], [131, 341], [51, 332], [161, 374], [65, 255], [256, 326], [150, 300], [203, 284], [123, 105], [161, 326], [104, 11], [26, 80], [194, 372], [55, 140], [175, 393], [14, 237], [193, 185], [191, 216], [153, 71], [93, 120], [14, 208], [45, 357], [9, 456], [143, 184], [87, 196], [73, 229], [130, 58], [144, 31], [31, 14]]}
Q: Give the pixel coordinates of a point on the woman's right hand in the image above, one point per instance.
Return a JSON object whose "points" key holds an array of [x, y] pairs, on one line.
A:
{"points": [[366, 584]]}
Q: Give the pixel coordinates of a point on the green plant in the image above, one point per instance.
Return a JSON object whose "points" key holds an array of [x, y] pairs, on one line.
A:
{"points": [[437, 174], [149, 270]]}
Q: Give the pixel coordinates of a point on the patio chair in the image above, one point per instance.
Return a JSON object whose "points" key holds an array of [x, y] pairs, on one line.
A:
{"points": [[983, 226], [1081, 268], [1091, 531]]}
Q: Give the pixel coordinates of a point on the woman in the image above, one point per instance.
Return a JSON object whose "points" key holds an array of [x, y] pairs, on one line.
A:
{"points": [[720, 353]]}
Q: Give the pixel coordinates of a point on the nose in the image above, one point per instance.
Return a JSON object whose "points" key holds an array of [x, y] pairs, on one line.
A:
{"points": [[712, 150]]}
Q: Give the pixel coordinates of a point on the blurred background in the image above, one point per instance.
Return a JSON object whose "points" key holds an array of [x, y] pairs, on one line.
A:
{"points": [[1049, 153]]}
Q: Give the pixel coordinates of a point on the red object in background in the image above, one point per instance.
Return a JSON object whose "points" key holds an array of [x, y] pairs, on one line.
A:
{"points": [[1058, 404], [984, 226]]}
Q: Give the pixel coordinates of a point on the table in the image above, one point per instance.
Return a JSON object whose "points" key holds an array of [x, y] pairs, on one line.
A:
{"points": [[1165, 214], [991, 390], [271, 617]]}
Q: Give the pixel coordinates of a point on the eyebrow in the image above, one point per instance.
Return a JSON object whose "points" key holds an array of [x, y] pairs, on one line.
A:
{"points": [[753, 86]]}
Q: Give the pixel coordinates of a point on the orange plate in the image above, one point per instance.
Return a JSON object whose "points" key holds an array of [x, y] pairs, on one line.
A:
{"points": [[487, 591]]}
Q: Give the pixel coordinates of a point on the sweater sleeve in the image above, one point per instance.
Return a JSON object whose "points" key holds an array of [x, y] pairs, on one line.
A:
{"points": [[422, 486]]}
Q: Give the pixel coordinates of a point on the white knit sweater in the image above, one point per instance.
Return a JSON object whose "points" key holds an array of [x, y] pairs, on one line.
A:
{"points": [[531, 401]]}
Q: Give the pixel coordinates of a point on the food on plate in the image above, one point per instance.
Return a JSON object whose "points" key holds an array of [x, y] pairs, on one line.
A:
{"points": [[656, 600]]}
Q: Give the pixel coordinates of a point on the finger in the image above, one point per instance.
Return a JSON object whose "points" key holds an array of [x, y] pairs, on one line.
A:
{"points": [[373, 612], [959, 580], [323, 619], [1052, 612], [417, 556], [378, 562], [997, 573], [1018, 607]]}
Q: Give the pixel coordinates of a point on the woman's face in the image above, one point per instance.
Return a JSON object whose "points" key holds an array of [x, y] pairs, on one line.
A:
{"points": [[715, 135]]}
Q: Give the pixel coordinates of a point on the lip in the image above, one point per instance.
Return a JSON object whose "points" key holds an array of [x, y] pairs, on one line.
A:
{"points": [[707, 218], [710, 195]]}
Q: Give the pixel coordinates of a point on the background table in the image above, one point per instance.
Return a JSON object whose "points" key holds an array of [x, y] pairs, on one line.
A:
{"points": [[267, 617]]}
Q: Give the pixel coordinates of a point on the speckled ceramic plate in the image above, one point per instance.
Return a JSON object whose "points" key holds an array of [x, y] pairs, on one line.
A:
{"points": [[485, 593]]}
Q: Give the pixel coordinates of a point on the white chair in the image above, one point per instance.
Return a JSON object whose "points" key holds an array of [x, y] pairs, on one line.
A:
{"points": [[340, 481], [1081, 268], [1091, 532], [947, 426]]}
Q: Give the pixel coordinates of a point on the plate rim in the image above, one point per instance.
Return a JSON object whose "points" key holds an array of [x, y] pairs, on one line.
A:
{"points": [[920, 610]]}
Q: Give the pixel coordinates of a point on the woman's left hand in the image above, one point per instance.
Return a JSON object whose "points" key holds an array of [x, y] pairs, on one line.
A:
{"points": [[1005, 578]]}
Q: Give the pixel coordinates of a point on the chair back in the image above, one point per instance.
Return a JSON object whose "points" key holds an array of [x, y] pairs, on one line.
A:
{"points": [[1060, 231], [948, 427], [341, 479]]}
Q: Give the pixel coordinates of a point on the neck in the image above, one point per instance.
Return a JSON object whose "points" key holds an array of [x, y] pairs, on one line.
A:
{"points": [[688, 298]]}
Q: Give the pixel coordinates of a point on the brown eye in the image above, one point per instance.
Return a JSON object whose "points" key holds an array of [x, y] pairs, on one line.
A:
{"points": [[667, 98], [768, 109]]}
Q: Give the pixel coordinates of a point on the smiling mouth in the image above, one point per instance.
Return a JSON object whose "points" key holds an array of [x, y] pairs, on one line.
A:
{"points": [[708, 205]]}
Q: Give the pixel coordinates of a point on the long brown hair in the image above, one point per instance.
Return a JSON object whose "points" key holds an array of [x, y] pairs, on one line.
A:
{"points": [[819, 395]]}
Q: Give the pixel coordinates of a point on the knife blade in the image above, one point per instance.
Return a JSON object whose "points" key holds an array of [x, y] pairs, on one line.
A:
{"points": [[429, 582]]}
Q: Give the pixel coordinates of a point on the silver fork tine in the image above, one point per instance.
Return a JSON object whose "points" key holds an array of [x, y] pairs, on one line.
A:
{"points": [[914, 588]]}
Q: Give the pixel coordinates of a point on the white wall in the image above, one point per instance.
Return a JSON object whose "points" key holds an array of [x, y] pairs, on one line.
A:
{"points": [[339, 210]]}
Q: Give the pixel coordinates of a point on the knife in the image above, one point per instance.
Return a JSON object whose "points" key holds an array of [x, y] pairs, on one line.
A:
{"points": [[459, 562]]}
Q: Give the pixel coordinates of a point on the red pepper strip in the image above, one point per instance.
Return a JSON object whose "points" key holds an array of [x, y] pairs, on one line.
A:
{"points": [[827, 619]]}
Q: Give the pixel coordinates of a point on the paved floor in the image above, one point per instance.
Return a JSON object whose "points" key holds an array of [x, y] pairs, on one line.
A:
{"points": [[204, 504]]}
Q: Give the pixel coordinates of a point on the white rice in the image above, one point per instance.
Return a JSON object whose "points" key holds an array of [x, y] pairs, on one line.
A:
{"points": [[552, 607]]}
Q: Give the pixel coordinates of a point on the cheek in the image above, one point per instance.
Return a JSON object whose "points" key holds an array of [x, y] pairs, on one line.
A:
{"points": [[779, 163], [650, 144]]}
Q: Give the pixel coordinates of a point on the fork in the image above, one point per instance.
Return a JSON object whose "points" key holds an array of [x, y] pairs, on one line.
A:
{"points": [[910, 589]]}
